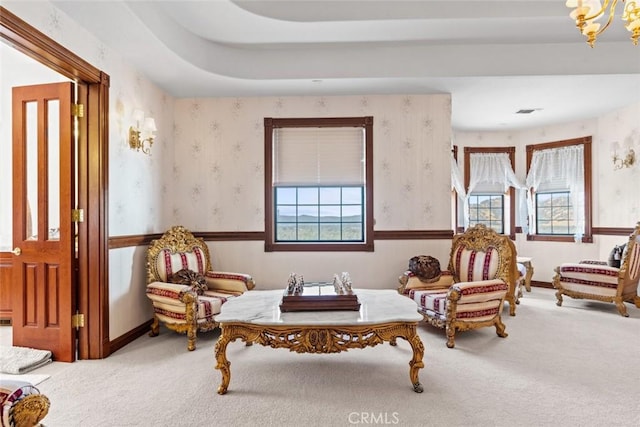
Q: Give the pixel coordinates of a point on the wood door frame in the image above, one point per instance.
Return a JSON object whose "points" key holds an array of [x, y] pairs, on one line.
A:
{"points": [[93, 301]]}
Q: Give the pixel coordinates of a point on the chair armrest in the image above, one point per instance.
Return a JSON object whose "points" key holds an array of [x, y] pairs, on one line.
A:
{"points": [[228, 281], [408, 280], [171, 293], [593, 262], [478, 291]]}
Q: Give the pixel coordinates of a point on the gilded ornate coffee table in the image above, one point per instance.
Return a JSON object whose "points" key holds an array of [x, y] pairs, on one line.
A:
{"points": [[255, 317]]}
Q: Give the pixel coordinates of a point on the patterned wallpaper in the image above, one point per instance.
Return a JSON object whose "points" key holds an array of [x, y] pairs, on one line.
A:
{"points": [[133, 176], [217, 177]]}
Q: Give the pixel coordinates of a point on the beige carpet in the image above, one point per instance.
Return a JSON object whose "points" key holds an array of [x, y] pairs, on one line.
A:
{"points": [[575, 365]]}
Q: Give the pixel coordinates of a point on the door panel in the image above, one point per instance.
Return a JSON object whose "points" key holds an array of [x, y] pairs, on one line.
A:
{"points": [[6, 308], [44, 283]]}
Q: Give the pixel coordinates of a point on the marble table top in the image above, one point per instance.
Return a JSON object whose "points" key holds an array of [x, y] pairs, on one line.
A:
{"points": [[263, 308]]}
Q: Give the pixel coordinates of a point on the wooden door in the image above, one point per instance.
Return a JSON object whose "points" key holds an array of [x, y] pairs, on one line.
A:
{"points": [[44, 279]]}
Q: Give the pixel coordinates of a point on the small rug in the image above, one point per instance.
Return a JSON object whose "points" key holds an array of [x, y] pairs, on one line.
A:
{"points": [[33, 379], [18, 360]]}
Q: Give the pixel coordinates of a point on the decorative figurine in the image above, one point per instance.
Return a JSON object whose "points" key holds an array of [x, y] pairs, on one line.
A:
{"points": [[346, 281], [299, 286], [337, 285], [291, 284]]}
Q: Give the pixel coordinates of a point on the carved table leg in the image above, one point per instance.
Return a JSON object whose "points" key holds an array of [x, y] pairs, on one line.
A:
{"points": [[416, 362], [222, 363], [529, 275]]}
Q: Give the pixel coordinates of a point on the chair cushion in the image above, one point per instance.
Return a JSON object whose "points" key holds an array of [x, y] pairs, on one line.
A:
{"points": [[476, 265], [208, 306], [169, 263], [589, 278]]}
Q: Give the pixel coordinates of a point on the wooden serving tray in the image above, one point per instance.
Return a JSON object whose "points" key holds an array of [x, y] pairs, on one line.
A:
{"points": [[313, 300]]}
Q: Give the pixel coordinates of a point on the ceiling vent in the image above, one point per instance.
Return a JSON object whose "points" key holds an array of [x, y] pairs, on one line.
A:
{"points": [[526, 111]]}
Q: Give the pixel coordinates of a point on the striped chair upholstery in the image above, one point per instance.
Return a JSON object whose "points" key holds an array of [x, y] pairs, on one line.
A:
{"points": [[596, 280], [482, 267], [178, 306]]}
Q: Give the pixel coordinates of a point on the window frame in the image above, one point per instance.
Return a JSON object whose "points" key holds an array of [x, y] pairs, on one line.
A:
{"points": [[490, 196], [588, 233], [271, 245], [511, 152]]}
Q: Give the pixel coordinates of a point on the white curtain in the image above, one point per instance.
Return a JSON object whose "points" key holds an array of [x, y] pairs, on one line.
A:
{"points": [[559, 168], [493, 168], [457, 183]]}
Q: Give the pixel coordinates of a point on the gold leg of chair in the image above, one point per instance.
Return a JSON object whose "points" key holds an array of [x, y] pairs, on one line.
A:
{"points": [[559, 298], [622, 309], [155, 327], [451, 335], [500, 328], [191, 338], [512, 306]]}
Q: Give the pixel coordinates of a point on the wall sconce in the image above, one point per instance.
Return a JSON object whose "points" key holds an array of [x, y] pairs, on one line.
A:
{"points": [[139, 136], [624, 160]]}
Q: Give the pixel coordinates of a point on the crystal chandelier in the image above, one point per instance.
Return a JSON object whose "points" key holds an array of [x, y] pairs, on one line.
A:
{"points": [[587, 12]]}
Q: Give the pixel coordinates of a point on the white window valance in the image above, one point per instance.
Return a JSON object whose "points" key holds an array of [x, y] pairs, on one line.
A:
{"points": [[492, 172]]}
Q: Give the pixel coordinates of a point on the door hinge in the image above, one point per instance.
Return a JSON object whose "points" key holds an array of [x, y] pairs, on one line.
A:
{"points": [[77, 215], [77, 110], [77, 321]]}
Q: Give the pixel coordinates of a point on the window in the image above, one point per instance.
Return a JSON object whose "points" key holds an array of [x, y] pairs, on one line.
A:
{"points": [[490, 183], [319, 184], [554, 213], [313, 214], [559, 176], [487, 209]]}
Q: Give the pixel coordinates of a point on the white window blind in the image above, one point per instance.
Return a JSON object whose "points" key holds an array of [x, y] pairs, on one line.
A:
{"points": [[555, 169], [319, 156]]}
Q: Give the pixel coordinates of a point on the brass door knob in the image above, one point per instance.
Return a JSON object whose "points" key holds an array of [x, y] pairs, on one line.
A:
{"points": [[17, 251]]}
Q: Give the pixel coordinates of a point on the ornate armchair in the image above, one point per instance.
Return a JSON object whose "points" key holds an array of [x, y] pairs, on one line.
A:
{"points": [[22, 404], [471, 293], [185, 292], [596, 280]]}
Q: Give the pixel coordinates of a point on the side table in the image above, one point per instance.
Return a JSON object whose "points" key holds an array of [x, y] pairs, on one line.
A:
{"points": [[526, 261]]}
